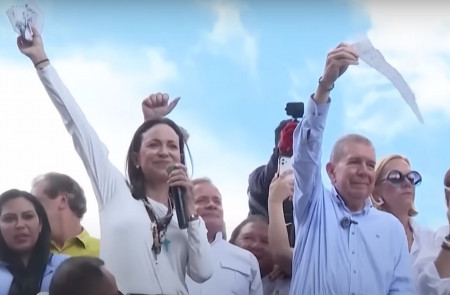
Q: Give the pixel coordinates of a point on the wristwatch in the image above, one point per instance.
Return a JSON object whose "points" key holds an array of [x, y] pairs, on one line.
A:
{"points": [[193, 217], [446, 243]]}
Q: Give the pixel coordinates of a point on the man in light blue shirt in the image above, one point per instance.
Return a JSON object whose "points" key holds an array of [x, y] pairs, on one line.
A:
{"points": [[343, 246]]}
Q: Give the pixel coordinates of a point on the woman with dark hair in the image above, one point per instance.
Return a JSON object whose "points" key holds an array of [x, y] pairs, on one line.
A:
{"points": [[26, 265], [141, 242]]}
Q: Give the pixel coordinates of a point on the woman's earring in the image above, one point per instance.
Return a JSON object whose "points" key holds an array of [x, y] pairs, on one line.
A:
{"points": [[137, 166]]}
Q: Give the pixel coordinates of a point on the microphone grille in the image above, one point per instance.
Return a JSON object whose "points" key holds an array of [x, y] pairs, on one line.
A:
{"points": [[170, 168]]}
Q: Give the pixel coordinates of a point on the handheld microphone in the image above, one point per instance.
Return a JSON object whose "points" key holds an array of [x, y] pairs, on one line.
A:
{"points": [[346, 222], [177, 194]]}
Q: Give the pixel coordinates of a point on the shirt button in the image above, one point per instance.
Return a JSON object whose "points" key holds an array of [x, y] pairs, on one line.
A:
{"points": [[353, 252], [354, 271], [353, 233]]}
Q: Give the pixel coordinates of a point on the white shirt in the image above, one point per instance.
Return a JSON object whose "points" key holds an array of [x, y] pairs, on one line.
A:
{"points": [[424, 251], [276, 287], [236, 271], [126, 238]]}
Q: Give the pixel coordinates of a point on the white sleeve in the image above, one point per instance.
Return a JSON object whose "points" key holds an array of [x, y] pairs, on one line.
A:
{"points": [[200, 262], [105, 177], [429, 282]]}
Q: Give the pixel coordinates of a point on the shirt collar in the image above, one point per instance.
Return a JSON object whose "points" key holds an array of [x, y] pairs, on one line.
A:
{"points": [[218, 238], [338, 199], [83, 238]]}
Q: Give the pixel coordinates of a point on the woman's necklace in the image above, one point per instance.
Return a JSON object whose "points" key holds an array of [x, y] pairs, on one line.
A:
{"points": [[159, 226]]}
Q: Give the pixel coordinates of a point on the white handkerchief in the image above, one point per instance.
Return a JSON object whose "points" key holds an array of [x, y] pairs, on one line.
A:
{"points": [[22, 17], [375, 59]]}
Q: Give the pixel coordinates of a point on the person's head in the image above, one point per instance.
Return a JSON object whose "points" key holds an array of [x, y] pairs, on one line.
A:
{"points": [[208, 204], [252, 234], [83, 275], [60, 195], [278, 130], [24, 227], [351, 168], [395, 184], [447, 187], [156, 144]]}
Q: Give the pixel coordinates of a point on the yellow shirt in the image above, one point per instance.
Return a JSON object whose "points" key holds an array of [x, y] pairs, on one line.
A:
{"points": [[81, 245]]}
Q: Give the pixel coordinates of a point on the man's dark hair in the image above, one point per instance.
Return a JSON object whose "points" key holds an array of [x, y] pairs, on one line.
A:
{"points": [[77, 276], [250, 219], [56, 183]]}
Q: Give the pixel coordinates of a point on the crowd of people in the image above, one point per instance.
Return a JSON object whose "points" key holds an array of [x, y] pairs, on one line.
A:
{"points": [[358, 237]]}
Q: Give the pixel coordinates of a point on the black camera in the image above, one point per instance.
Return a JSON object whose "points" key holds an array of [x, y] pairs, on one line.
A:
{"points": [[295, 109]]}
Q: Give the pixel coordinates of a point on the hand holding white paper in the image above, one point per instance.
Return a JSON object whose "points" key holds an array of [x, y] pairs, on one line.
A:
{"points": [[375, 59], [22, 17]]}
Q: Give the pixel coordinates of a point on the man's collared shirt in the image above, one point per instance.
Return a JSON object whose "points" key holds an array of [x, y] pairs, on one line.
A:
{"points": [[236, 271], [81, 245], [368, 255]]}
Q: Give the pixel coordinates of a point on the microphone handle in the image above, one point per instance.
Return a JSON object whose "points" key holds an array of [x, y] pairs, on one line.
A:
{"points": [[180, 208]]}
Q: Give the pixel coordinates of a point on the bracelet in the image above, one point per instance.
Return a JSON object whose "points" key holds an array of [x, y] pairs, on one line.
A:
{"points": [[321, 85], [40, 62]]}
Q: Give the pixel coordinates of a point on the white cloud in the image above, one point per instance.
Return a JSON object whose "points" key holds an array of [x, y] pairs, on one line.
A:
{"points": [[229, 37], [414, 38], [158, 64], [34, 140]]}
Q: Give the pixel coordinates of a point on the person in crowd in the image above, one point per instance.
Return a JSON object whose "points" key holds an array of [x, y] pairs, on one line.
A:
{"points": [[343, 245], [236, 271], [394, 192], [83, 275], [252, 234], [65, 204], [281, 189], [141, 242], [435, 279], [260, 179], [26, 264]]}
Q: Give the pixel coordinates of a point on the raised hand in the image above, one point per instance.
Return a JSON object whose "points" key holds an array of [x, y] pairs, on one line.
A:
{"points": [[157, 106], [337, 63], [33, 49], [281, 188], [178, 176]]}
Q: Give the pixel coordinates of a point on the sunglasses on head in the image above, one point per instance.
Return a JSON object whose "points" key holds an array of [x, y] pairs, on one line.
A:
{"points": [[395, 177]]}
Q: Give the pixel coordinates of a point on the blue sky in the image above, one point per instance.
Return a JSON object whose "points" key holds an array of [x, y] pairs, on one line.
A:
{"points": [[235, 64]]}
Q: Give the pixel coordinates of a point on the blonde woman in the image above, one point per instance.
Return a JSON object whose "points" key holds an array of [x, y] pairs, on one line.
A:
{"points": [[394, 192]]}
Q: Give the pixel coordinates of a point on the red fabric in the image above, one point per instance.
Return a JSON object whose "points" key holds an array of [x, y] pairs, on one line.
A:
{"points": [[286, 139]]}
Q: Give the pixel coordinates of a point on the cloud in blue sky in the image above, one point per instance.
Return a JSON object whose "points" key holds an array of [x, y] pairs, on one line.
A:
{"points": [[229, 37]]}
